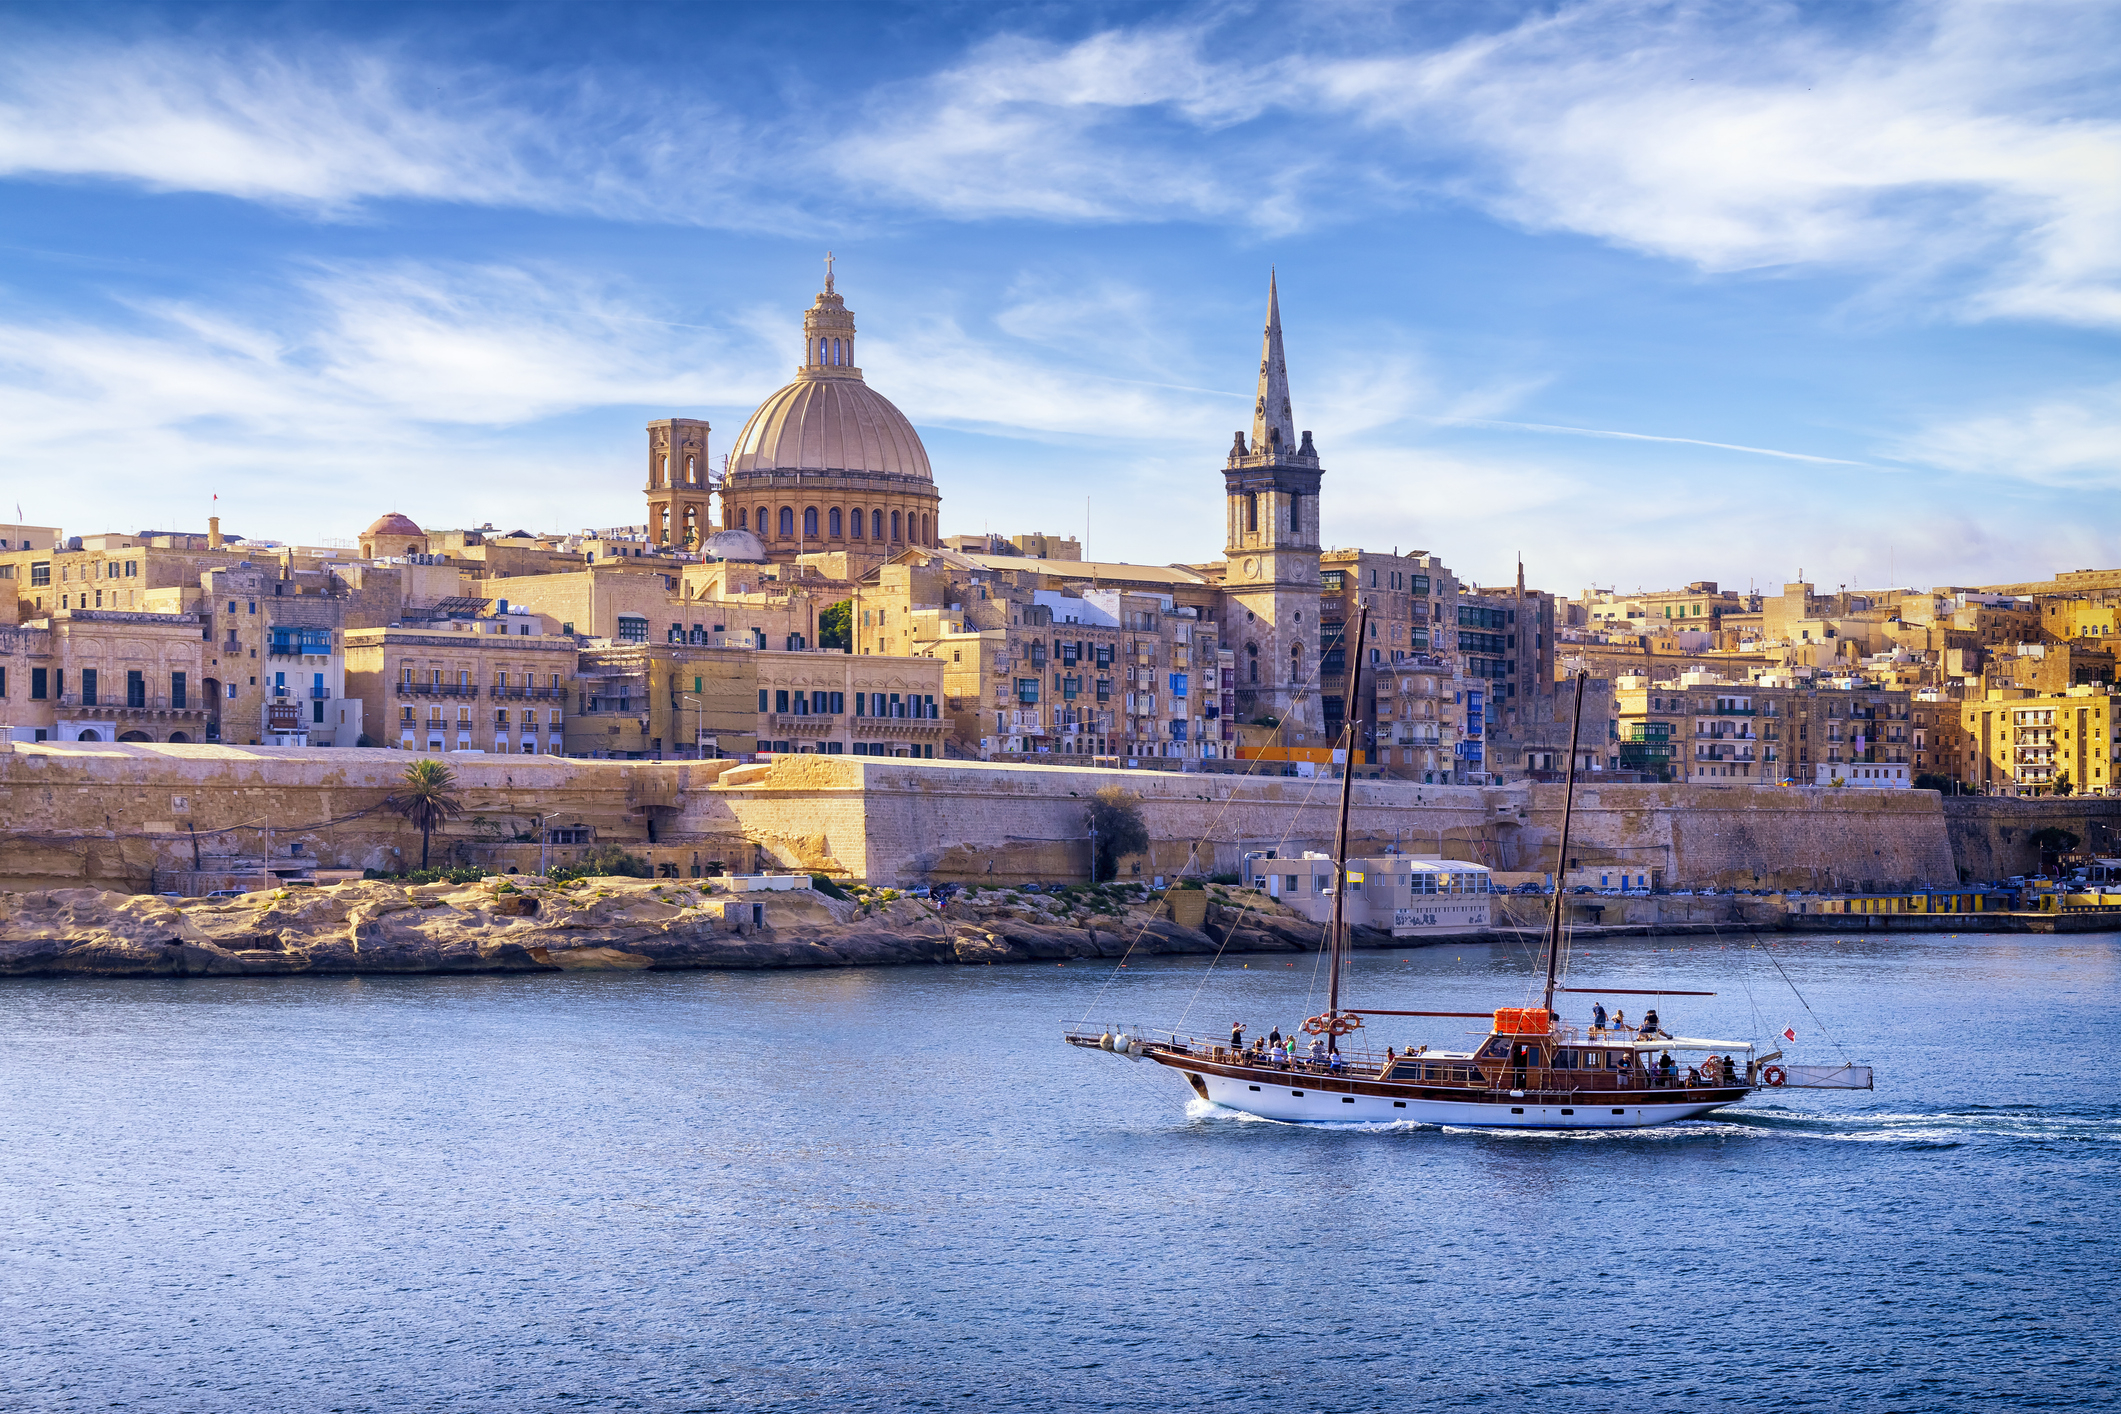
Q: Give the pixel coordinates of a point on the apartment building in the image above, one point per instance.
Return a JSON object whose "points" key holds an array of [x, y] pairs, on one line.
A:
{"points": [[1037, 667], [469, 684], [1704, 730], [2047, 744]]}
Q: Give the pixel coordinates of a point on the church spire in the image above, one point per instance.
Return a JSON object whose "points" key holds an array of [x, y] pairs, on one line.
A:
{"points": [[1273, 423]]}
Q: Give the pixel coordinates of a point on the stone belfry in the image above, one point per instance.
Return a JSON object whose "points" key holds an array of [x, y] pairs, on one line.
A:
{"points": [[678, 483], [1271, 599]]}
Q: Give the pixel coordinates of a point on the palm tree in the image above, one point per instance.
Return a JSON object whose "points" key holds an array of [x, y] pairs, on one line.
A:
{"points": [[427, 800]]}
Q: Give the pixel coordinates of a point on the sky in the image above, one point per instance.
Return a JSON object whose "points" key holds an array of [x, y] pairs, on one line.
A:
{"points": [[1644, 293]]}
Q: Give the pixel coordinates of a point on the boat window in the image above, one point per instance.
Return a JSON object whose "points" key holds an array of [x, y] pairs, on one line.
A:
{"points": [[1592, 1060], [1564, 1060]]}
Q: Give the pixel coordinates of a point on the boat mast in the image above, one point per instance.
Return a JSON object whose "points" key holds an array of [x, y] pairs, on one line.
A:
{"points": [[1336, 935], [1561, 860]]}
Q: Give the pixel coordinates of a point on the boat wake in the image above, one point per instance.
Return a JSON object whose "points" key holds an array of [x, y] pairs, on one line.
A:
{"points": [[1936, 1129]]}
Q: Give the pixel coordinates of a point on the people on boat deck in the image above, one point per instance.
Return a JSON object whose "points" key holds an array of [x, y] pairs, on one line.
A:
{"points": [[1620, 1020], [1667, 1067], [1598, 1019], [1730, 1071], [1318, 1050], [1651, 1027], [1274, 1037]]}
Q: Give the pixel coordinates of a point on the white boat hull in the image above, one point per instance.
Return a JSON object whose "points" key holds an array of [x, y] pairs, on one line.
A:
{"points": [[1297, 1103]]}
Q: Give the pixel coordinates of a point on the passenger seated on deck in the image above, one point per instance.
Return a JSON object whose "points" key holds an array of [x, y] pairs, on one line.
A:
{"points": [[1336, 1062], [1318, 1051], [1650, 1025], [1693, 1076], [1620, 1021], [1668, 1068], [1730, 1071]]}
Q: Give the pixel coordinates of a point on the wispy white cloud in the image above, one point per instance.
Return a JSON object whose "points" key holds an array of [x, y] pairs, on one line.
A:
{"points": [[1935, 139], [2068, 440], [403, 380]]}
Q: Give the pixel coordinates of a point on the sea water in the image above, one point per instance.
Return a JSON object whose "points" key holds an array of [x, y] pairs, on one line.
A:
{"points": [[897, 1189]]}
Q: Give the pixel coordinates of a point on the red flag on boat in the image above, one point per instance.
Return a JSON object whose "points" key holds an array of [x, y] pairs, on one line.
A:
{"points": [[1789, 1033]]}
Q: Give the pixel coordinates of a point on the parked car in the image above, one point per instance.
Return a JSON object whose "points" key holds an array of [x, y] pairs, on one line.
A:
{"points": [[228, 893], [1033, 889]]}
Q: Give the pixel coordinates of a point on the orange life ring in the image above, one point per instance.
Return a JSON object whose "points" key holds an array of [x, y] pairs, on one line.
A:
{"points": [[1335, 1025], [1774, 1075]]}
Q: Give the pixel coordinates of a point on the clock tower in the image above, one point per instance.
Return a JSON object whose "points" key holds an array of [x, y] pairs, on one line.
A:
{"points": [[1270, 580]]}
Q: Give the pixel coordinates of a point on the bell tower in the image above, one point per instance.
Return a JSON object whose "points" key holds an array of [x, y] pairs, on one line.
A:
{"points": [[678, 484], [1270, 580]]}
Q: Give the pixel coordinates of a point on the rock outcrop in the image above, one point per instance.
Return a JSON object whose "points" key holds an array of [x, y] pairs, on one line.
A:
{"points": [[517, 924]]}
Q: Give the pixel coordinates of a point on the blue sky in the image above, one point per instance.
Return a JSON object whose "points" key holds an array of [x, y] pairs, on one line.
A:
{"points": [[1646, 292]]}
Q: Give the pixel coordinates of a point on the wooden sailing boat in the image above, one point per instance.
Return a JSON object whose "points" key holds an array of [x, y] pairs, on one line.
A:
{"points": [[1532, 1070]]}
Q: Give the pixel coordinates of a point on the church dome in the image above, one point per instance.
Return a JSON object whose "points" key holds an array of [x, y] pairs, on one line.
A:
{"points": [[740, 545], [394, 524], [827, 423], [828, 419]]}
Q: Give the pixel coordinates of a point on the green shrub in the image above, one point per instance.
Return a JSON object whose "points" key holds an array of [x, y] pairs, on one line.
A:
{"points": [[465, 874], [824, 884]]}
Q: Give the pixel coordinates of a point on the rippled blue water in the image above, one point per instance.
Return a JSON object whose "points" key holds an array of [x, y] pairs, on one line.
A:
{"points": [[897, 1189]]}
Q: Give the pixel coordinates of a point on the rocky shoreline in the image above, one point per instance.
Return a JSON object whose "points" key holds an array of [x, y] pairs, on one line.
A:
{"points": [[514, 923], [518, 924]]}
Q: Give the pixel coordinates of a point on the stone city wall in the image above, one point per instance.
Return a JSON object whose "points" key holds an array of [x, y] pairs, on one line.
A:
{"points": [[113, 814], [1992, 835], [116, 814]]}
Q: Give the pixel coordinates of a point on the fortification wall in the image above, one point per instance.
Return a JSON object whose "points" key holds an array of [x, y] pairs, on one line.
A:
{"points": [[893, 820], [1763, 837], [113, 814], [1992, 835]]}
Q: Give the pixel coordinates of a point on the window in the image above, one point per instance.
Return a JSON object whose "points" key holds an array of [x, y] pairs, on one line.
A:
{"points": [[135, 688], [787, 522], [88, 687], [743, 519], [854, 522], [834, 522], [762, 699], [38, 681], [40, 572], [876, 525], [633, 628], [1252, 512], [896, 534], [810, 522]]}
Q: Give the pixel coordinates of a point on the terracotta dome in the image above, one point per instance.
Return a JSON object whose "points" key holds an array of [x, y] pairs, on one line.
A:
{"points": [[394, 524]]}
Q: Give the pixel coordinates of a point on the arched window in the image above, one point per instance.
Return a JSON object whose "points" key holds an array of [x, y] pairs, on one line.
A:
{"points": [[743, 519], [925, 533], [855, 518], [876, 525], [835, 353], [787, 522], [1295, 514], [810, 522], [761, 523], [834, 521], [895, 536], [1252, 512], [1252, 656]]}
